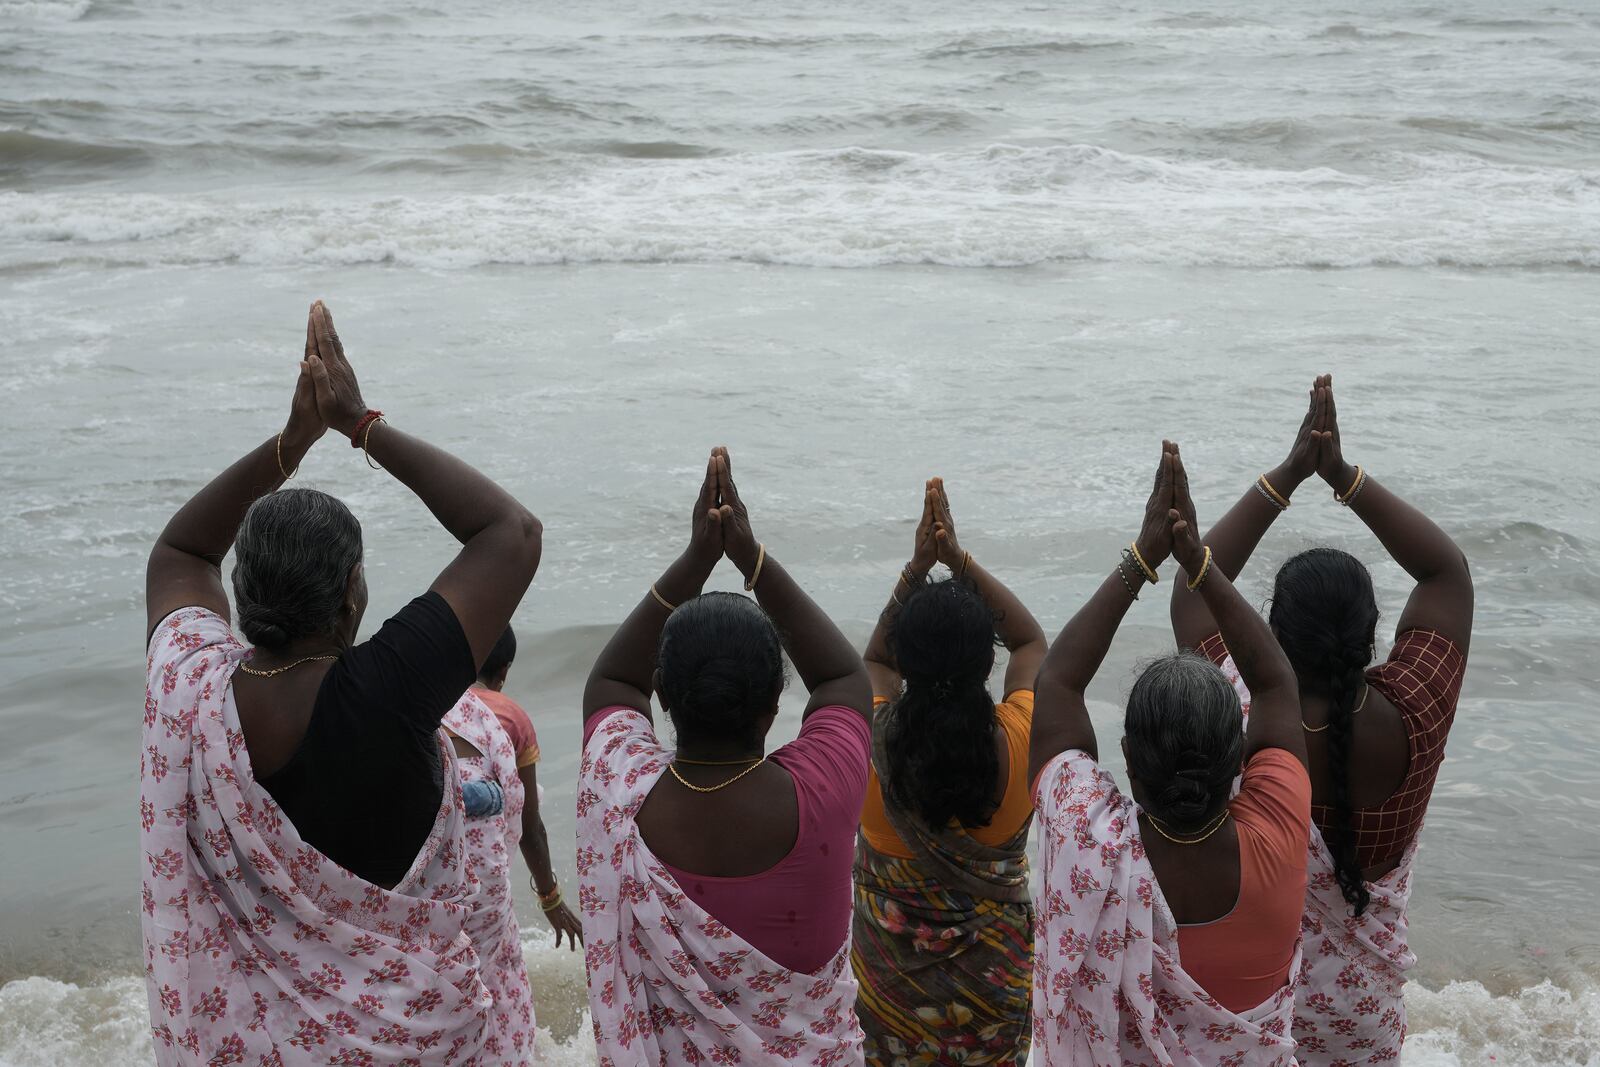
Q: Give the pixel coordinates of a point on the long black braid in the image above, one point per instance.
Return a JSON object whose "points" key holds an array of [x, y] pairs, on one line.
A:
{"points": [[1325, 615]]}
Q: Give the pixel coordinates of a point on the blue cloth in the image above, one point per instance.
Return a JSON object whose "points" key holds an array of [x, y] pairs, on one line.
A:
{"points": [[483, 799]]}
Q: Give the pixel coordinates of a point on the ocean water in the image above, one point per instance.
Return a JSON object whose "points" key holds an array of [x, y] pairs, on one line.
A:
{"points": [[1011, 244]]}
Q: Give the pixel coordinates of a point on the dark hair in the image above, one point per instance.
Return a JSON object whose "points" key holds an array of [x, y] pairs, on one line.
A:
{"points": [[939, 733], [292, 561], [500, 656], [720, 667], [1325, 617], [1185, 739]]}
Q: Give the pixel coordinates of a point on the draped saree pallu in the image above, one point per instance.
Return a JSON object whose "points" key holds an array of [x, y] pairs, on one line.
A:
{"points": [[491, 844], [942, 945], [1349, 1008], [1108, 986], [259, 949], [668, 983]]}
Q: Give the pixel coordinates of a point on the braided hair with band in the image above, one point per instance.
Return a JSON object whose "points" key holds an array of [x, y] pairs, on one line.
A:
{"points": [[1325, 616], [940, 732]]}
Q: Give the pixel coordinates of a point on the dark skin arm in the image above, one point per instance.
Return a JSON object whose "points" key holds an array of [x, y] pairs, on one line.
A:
{"points": [[720, 524], [1274, 690], [824, 658], [536, 853], [185, 566], [500, 539], [1234, 537], [1443, 598], [1060, 714], [881, 669], [624, 672]]}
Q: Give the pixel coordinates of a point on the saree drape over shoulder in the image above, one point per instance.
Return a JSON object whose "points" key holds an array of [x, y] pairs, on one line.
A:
{"points": [[259, 949], [668, 983], [942, 944], [1108, 985], [491, 849]]}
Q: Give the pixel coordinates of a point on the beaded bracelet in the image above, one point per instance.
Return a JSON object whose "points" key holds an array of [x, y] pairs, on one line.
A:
{"points": [[1129, 586], [1148, 571]]}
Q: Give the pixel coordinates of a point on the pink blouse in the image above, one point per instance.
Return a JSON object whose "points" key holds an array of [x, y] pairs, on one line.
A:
{"points": [[798, 911]]}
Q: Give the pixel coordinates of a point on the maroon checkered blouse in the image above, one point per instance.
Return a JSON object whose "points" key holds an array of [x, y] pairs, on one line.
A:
{"points": [[1421, 678]]}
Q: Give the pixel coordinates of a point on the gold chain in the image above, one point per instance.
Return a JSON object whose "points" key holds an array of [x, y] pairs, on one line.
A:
{"points": [[1319, 729], [1216, 825], [712, 788], [279, 670]]}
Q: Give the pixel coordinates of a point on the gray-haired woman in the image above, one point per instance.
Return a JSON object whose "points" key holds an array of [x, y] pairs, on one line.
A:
{"points": [[301, 819]]}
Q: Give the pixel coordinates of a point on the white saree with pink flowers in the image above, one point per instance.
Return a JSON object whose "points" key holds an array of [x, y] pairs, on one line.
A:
{"points": [[1108, 986], [491, 845], [259, 950], [668, 983]]}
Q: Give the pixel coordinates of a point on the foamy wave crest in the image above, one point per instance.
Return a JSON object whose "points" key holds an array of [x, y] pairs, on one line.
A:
{"points": [[44, 10], [1001, 206], [45, 1023]]}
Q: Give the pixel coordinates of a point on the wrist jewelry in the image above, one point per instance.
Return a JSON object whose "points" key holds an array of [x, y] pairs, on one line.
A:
{"points": [[286, 474], [1355, 487], [1129, 586], [663, 601], [1149, 572], [755, 575], [1275, 498], [1205, 572]]}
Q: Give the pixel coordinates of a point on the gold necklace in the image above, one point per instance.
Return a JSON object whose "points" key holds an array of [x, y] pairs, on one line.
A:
{"points": [[1319, 729], [279, 670], [712, 788], [1216, 824]]}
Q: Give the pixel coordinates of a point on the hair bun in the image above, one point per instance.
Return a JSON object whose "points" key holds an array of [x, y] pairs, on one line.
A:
{"points": [[263, 626]]}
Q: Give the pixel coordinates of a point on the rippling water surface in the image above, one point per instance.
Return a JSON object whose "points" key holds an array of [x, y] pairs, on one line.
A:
{"points": [[1011, 244]]}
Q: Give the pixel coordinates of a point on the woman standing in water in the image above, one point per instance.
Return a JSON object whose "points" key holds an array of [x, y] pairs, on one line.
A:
{"points": [[301, 828], [942, 940], [1169, 922], [1375, 734], [715, 877]]}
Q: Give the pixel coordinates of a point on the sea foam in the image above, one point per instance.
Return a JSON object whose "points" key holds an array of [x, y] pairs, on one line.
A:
{"points": [[1003, 206]]}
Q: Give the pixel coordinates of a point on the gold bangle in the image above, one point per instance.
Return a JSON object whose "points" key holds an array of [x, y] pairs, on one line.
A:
{"points": [[966, 561], [365, 436], [286, 474], [663, 601], [1277, 498], [552, 902], [1205, 572], [1149, 574], [1355, 487], [755, 575]]}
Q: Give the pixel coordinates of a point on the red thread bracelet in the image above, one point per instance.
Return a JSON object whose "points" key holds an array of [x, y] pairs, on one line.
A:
{"points": [[355, 434]]}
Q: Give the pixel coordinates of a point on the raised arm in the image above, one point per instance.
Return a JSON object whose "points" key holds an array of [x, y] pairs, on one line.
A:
{"points": [[1235, 536], [1443, 598], [825, 660], [882, 671], [1060, 716], [624, 673], [1018, 630], [500, 539], [1274, 690], [185, 566]]}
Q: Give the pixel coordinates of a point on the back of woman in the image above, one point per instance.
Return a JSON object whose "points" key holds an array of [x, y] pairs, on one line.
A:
{"points": [[942, 938], [715, 877], [1375, 734], [1168, 914], [300, 819]]}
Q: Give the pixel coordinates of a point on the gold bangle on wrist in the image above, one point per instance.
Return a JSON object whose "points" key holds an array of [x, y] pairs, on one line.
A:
{"points": [[286, 473], [367, 436], [1138, 557], [663, 601], [1205, 572], [755, 575], [1355, 487], [966, 561], [1275, 498]]}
